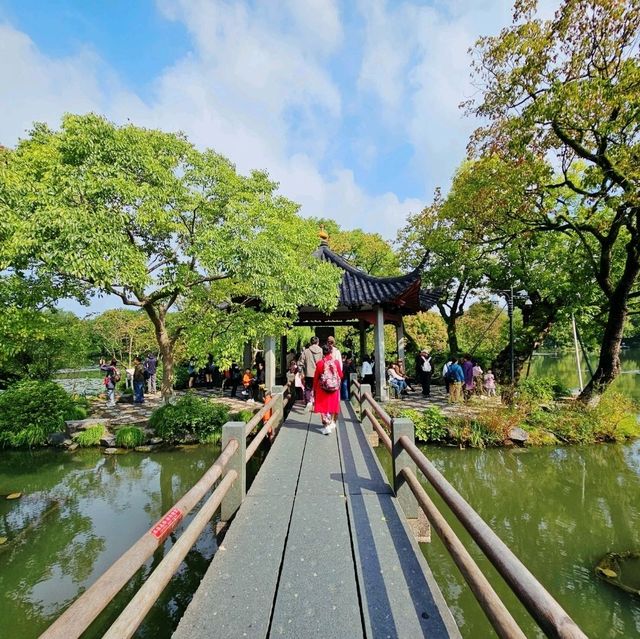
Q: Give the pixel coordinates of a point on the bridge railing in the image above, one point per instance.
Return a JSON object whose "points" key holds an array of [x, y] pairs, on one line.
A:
{"points": [[227, 495], [397, 436]]}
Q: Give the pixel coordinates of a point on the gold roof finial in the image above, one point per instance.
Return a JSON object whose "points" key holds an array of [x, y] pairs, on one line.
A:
{"points": [[324, 237]]}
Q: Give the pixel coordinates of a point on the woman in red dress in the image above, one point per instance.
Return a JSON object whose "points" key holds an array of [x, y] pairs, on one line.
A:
{"points": [[327, 402]]}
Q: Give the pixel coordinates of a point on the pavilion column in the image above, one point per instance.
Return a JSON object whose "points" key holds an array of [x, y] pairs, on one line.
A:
{"points": [[363, 340], [400, 341], [247, 356], [283, 358], [380, 371], [269, 361]]}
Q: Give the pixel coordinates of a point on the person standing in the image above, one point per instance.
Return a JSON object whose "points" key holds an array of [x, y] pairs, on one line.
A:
{"points": [[424, 370], [111, 378], [151, 368], [490, 383], [138, 381], [308, 360], [456, 380], [335, 353], [234, 378], [366, 371], [467, 369], [446, 375], [477, 378], [326, 389]]}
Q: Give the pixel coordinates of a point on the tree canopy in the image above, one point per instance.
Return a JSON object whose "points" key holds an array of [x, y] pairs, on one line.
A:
{"points": [[144, 215]]}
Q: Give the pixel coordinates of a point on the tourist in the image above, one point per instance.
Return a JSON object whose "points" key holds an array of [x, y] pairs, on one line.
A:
{"points": [[138, 381], [424, 371], [456, 380], [467, 369], [308, 360], [477, 378], [490, 383], [446, 375], [111, 378], [208, 371], [348, 368], [335, 353], [366, 371], [291, 357], [259, 383], [326, 389], [191, 371], [247, 382], [234, 378], [396, 380], [299, 385], [151, 368]]}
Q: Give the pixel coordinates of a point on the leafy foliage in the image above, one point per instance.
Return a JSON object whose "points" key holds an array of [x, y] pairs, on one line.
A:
{"points": [[89, 437], [189, 416], [32, 410], [129, 437], [145, 216]]}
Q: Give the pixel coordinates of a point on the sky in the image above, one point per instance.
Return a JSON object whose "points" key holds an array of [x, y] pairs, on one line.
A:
{"points": [[352, 106]]}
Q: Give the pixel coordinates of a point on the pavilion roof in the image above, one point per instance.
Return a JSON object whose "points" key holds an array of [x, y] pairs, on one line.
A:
{"points": [[359, 289]]}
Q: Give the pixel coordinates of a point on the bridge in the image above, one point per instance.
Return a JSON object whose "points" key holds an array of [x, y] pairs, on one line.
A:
{"points": [[322, 545]]}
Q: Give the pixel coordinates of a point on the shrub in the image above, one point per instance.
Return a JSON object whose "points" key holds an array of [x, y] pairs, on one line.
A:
{"points": [[89, 437], [541, 389], [31, 410], [243, 415], [190, 415], [129, 437]]}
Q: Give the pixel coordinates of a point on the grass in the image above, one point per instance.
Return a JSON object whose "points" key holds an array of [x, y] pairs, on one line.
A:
{"points": [[89, 437], [129, 437]]}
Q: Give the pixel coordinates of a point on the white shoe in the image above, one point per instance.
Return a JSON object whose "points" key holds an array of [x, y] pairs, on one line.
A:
{"points": [[308, 407], [331, 425], [325, 431]]}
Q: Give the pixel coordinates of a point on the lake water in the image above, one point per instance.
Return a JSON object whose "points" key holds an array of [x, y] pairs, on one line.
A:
{"points": [[80, 511]]}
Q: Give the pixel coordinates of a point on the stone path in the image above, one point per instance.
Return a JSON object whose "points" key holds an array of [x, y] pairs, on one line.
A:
{"points": [[320, 549]]}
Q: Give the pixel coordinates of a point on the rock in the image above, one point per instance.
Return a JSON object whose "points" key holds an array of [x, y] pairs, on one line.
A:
{"points": [[73, 446], [154, 441], [56, 439], [110, 451], [108, 440], [143, 449], [75, 425], [518, 435]]}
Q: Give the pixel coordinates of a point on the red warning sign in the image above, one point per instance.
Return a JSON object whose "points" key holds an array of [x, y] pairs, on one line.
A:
{"points": [[167, 523]]}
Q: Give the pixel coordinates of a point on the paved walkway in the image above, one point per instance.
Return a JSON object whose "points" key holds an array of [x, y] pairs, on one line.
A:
{"points": [[319, 549]]}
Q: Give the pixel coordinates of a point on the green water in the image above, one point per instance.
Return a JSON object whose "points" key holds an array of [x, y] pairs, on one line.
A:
{"points": [[80, 511], [560, 510], [563, 365]]}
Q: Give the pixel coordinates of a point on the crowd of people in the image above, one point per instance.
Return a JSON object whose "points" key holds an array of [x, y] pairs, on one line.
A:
{"points": [[311, 374]]}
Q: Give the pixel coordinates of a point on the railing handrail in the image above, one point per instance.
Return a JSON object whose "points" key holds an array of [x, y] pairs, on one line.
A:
{"points": [[544, 609], [73, 622], [136, 610]]}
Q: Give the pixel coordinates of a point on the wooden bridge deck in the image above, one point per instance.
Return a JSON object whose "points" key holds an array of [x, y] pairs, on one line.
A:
{"points": [[319, 548]]}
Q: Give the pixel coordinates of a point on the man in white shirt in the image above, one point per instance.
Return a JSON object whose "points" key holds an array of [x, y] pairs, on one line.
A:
{"points": [[424, 370]]}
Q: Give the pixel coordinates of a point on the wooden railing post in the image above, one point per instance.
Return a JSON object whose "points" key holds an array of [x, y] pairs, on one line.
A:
{"points": [[353, 377], [234, 498], [277, 397], [415, 516]]}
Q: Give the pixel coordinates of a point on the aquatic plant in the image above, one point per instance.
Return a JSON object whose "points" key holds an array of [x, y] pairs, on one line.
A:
{"points": [[129, 437], [89, 437]]}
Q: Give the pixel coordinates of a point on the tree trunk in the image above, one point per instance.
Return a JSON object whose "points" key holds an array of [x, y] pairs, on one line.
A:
{"points": [[537, 322], [165, 345], [452, 336], [609, 362]]}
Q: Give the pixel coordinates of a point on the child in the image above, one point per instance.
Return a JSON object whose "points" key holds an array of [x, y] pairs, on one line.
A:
{"points": [[490, 383], [247, 380]]}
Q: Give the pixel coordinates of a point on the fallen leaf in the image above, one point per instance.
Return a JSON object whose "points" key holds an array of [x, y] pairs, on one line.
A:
{"points": [[14, 495]]}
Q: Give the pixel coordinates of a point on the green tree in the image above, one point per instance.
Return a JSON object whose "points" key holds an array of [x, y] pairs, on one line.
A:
{"points": [[566, 90], [144, 215]]}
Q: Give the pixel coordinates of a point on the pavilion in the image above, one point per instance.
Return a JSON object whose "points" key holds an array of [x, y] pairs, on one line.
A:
{"points": [[364, 300]]}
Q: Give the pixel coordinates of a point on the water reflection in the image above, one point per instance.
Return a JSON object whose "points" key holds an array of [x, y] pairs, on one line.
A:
{"points": [[79, 513], [559, 510]]}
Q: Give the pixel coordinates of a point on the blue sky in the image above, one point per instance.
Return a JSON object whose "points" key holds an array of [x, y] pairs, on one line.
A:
{"points": [[352, 106]]}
